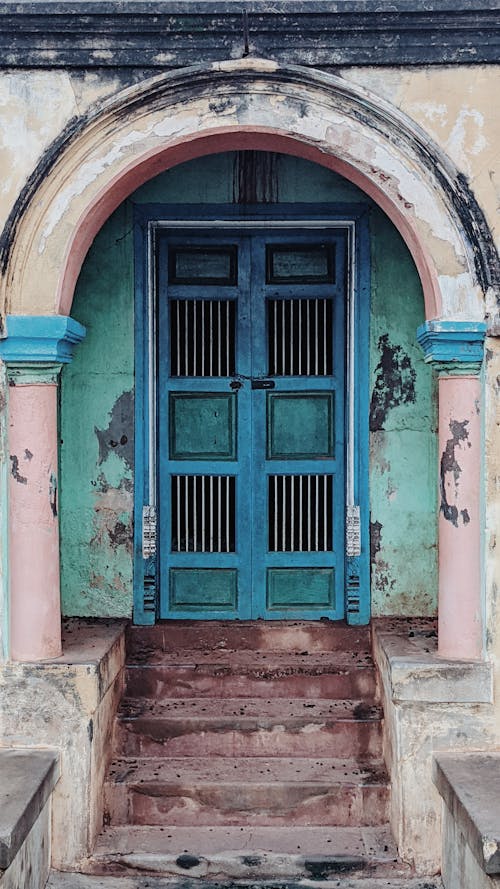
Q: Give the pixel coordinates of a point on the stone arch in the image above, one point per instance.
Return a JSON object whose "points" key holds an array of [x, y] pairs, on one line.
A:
{"points": [[172, 118]]}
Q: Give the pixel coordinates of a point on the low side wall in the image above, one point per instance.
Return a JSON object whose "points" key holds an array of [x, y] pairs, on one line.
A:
{"points": [[30, 867], [69, 704], [430, 705]]}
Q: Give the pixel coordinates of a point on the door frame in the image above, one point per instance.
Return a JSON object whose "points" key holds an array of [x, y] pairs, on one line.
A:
{"points": [[354, 219]]}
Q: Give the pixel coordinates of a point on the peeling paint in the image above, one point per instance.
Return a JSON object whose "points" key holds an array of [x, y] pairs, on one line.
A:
{"points": [[119, 435], [14, 470], [450, 471], [53, 494], [394, 383]]}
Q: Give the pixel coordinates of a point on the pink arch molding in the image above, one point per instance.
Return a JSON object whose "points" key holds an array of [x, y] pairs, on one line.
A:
{"points": [[232, 139]]}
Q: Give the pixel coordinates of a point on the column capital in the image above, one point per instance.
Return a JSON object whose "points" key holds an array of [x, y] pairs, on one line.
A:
{"points": [[36, 340], [454, 347]]}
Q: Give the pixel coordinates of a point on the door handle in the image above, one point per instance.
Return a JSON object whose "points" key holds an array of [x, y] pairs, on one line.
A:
{"points": [[263, 384], [235, 385]]}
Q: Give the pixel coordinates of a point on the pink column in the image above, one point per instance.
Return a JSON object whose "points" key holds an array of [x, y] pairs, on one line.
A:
{"points": [[460, 619], [35, 610]]}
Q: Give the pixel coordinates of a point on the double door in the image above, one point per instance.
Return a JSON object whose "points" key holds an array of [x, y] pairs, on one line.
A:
{"points": [[251, 365]]}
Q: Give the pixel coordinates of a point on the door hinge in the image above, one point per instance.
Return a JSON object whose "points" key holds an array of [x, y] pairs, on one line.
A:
{"points": [[352, 532], [148, 531]]}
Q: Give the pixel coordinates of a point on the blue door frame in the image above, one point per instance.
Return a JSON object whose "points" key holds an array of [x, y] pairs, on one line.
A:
{"points": [[345, 222]]}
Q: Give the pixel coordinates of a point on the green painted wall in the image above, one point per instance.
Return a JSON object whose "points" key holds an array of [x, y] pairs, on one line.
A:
{"points": [[97, 398]]}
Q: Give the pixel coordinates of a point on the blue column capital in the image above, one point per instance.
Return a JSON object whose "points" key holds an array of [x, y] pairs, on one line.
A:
{"points": [[40, 339], [453, 343]]}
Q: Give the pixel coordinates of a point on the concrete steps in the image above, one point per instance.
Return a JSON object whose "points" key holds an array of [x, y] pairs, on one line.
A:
{"points": [[245, 751], [248, 727], [245, 791]]}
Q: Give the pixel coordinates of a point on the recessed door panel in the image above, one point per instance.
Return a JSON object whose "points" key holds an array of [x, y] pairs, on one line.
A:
{"points": [[251, 425]]}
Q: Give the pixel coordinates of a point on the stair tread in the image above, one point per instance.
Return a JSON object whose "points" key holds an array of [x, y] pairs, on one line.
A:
{"points": [[254, 661], [239, 711], [375, 842], [184, 771], [266, 635]]}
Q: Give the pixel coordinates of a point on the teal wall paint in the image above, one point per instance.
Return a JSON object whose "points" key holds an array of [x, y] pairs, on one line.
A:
{"points": [[96, 416], [403, 443], [97, 391]]}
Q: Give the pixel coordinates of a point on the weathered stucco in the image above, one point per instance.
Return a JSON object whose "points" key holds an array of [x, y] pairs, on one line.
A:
{"points": [[357, 133]]}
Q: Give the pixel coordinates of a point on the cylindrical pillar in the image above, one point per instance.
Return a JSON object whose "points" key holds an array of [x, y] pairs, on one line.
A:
{"points": [[459, 614], [35, 609]]}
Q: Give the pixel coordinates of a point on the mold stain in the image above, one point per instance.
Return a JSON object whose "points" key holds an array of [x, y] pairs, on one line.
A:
{"points": [[450, 468], [394, 385]]}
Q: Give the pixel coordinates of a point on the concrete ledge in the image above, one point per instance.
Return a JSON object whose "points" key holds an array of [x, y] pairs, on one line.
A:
{"points": [[406, 653], [470, 786], [27, 778]]}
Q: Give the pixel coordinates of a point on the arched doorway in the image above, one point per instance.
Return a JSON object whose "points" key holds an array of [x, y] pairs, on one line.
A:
{"points": [[156, 126]]}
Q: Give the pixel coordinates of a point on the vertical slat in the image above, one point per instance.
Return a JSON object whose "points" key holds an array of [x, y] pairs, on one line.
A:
{"points": [[275, 308], [203, 338], [316, 530], [325, 513], [292, 512], [195, 514], [301, 485], [186, 513], [178, 484], [195, 342], [308, 513], [219, 510], [283, 506], [219, 334], [325, 365], [211, 502], [283, 344], [203, 522], [308, 335], [178, 307], [316, 337], [228, 480], [301, 302], [186, 370], [276, 513], [211, 340]]}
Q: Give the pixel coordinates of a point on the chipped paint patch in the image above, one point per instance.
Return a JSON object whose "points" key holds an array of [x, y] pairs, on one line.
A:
{"points": [[450, 472], [394, 382]]}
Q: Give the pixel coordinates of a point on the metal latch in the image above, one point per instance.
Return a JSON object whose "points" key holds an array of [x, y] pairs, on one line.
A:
{"points": [[352, 531], [148, 531], [263, 384]]}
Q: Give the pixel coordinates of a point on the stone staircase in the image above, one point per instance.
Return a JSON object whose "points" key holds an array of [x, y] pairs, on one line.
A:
{"points": [[248, 751]]}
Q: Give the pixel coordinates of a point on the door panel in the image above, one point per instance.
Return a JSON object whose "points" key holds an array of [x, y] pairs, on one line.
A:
{"points": [[251, 425]]}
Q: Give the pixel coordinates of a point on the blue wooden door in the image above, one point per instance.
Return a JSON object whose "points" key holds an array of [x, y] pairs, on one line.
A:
{"points": [[251, 425]]}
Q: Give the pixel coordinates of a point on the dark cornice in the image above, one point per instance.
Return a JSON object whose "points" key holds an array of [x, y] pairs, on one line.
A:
{"points": [[317, 33]]}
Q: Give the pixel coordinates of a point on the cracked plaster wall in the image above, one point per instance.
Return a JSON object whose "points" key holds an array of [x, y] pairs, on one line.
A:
{"points": [[97, 404]]}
